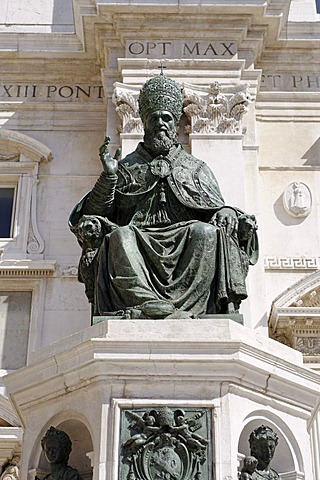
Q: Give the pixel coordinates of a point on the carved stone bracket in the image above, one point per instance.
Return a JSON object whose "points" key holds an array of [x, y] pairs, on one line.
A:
{"points": [[35, 243], [69, 271], [216, 109], [165, 443], [125, 99]]}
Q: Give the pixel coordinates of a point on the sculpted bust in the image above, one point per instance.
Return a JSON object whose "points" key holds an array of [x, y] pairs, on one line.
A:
{"points": [[57, 445], [157, 238], [263, 441]]}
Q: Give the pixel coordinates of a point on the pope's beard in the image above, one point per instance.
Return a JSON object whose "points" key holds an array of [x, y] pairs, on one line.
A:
{"points": [[160, 142]]}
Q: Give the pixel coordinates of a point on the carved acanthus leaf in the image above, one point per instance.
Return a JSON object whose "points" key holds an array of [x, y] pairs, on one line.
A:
{"points": [[126, 102], [308, 345], [12, 471], [216, 111]]}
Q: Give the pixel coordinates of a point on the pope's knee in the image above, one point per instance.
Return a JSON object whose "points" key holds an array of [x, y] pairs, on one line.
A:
{"points": [[120, 236], [201, 230]]}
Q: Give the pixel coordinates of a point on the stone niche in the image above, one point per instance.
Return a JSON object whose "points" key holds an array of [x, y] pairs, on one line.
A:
{"points": [[81, 453]]}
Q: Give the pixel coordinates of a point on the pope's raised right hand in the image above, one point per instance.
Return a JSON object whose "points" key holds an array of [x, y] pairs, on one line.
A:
{"points": [[110, 164]]}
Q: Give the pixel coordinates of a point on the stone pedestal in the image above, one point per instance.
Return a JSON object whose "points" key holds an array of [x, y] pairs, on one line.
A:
{"points": [[239, 377]]}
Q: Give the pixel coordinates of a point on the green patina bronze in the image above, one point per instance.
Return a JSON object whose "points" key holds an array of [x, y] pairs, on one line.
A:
{"points": [[168, 443], [57, 445], [157, 238], [263, 441]]}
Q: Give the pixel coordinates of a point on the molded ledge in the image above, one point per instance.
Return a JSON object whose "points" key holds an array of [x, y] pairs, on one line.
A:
{"points": [[27, 268]]}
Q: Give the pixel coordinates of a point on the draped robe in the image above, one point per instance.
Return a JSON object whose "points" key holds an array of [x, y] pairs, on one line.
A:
{"points": [[160, 243]]}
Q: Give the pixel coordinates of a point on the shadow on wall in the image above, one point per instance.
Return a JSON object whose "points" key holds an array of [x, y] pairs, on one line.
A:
{"points": [[312, 156], [283, 216], [62, 16]]}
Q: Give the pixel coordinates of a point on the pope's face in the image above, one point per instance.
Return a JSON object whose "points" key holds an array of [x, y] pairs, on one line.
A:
{"points": [[54, 451], [160, 132], [160, 121]]}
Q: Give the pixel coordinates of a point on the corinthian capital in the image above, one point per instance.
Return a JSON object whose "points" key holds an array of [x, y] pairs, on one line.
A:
{"points": [[125, 99], [216, 109]]}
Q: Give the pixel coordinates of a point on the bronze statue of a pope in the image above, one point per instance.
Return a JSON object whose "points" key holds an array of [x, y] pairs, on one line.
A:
{"points": [[157, 238]]}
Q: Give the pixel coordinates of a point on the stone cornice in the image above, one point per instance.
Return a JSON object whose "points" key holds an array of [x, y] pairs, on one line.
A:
{"points": [[7, 412], [10, 443], [303, 286], [24, 144], [27, 268], [79, 116], [114, 351], [101, 25]]}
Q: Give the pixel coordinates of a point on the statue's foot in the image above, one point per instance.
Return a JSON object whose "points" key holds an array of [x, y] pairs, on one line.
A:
{"points": [[157, 309], [131, 313], [181, 314], [152, 309]]}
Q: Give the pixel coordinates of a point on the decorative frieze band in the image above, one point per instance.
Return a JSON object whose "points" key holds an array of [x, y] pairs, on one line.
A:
{"points": [[292, 263], [304, 338]]}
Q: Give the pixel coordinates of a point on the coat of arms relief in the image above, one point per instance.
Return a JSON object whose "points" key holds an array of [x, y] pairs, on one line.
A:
{"points": [[165, 443]]}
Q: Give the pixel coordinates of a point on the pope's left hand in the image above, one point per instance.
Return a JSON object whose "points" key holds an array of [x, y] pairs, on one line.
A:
{"points": [[227, 218]]}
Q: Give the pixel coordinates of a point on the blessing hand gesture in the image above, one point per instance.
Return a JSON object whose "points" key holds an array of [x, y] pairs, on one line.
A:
{"points": [[110, 164]]}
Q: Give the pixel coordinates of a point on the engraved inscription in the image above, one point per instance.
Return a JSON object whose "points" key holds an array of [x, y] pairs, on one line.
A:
{"points": [[180, 49], [50, 92], [296, 82]]}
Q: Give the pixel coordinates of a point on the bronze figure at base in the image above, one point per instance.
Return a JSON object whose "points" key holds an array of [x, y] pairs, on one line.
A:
{"points": [[57, 445], [263, 441]]}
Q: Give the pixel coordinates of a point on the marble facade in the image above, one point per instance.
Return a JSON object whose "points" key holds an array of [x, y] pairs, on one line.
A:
{"points": [[70, 73]]}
